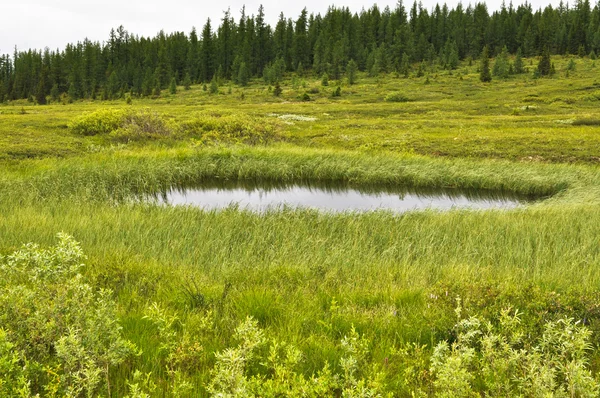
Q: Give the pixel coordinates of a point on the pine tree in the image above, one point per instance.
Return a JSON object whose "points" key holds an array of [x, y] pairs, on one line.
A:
{"points": [[148, 83], [40, 95], [502, 65], [72, 92], [351, 69], [518, 66], [325, 80], [484, 75], [405, 65], [173, 86], [545, 65], [277, 90], [214, 86], [243, 75], [187, 82], [55, 93], [157, 88]]}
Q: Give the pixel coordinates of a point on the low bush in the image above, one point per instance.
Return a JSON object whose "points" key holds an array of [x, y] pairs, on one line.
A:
{"points": [[122, 124], [103, 121], [586, 122], [397, 97], [231, 129]]}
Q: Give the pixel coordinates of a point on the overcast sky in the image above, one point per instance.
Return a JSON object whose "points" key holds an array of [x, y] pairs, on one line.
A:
{"points": [[54, 23]]}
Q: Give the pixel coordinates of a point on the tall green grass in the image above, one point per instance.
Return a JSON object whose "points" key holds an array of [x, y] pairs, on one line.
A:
{"points": [[309, 277]]}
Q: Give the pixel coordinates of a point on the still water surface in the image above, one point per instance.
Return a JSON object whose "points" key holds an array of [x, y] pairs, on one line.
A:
{"points": [[261, 198]]}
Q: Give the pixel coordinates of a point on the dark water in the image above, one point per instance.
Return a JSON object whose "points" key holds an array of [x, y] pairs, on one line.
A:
{"points": [[336, 198]]}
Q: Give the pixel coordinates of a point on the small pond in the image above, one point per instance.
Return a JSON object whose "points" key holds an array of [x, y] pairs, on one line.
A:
{"points": [[335, 198]]}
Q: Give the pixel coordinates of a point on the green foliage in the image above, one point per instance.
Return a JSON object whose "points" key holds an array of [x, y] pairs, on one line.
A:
{"points": [[187, 82], [242, 78], [397, 97], [502, 65], [214, 86], [53, 319], [277, 91], [231, 128], [506, 362], [273, 74], [351, 70], [405, 65], [389, 274], [544, 67], [125, 124], [484, 67], [230, 376], [376, 41], [518, 65], [325, 80], [449, 57], [421, 69], [173, 87], [157, 91], [54, 93]]}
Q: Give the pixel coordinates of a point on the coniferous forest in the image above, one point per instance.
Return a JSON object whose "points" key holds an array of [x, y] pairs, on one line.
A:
{"points": [[375, 40]]}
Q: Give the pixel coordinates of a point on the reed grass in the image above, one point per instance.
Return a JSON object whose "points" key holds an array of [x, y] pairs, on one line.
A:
{"points": [[309, 277]]}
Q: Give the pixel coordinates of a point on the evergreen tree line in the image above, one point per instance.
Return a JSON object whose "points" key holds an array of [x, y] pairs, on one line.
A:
{"points": [[373, 40]]}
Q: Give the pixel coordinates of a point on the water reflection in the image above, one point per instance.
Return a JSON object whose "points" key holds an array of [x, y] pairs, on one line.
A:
{"points": [[261, 197]]}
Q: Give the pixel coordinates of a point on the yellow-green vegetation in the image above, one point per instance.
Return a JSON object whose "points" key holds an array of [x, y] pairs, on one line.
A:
{"points": [[177, 301]]}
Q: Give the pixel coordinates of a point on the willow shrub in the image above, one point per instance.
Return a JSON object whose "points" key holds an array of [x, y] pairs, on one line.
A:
{"points": [[59, 335]]}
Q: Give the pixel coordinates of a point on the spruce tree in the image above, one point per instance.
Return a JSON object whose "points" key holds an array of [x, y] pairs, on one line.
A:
{"points": [[157, 88], [277, 90], [518, 65], [55, 93], [187, 81], [484, 75], [148, 83], [351, 69], [40, 96], [243, 75], [173, 86], [405, 65], [502, 65], [72, 93], [325, 80], [545, 66], [214, 85]]}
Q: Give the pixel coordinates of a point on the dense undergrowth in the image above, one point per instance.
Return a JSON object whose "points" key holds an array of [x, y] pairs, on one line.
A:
{"points": [[176, 301], [61, 337], [133, 125]]}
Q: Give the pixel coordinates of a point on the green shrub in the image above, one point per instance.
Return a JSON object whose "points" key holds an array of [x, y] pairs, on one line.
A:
{"points": [[304, 97], [232, 129], [124, 124], [396, 97], [56, 324], [103, 121], [586, 122], [499, 359], [142, 124]]}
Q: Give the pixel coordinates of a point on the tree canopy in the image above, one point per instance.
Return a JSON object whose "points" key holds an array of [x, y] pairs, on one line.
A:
{"points": [[377, 40]]}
